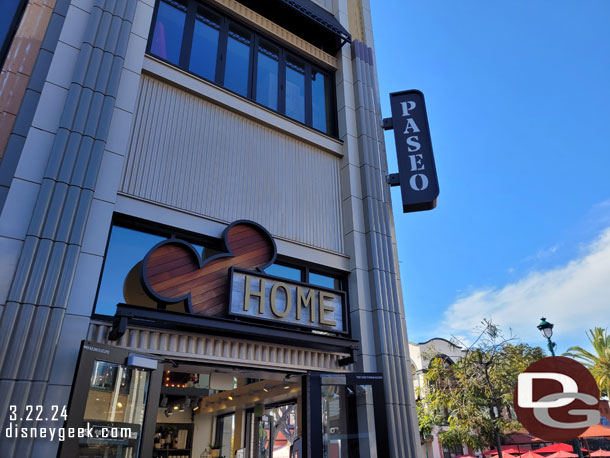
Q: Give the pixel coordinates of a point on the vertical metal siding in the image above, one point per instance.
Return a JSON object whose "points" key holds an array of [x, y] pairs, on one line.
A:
{"points": [[190, 154]]}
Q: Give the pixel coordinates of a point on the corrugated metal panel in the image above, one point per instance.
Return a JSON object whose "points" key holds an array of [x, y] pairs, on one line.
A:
{"points": [[194, 347], [190, 154]]}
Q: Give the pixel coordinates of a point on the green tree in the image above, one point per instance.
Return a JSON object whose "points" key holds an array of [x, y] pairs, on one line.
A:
{"points": [[599, 363], [472, 398]]}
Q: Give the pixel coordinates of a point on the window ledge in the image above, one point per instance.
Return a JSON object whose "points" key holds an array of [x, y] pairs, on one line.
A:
{"points": [[240, 105]]}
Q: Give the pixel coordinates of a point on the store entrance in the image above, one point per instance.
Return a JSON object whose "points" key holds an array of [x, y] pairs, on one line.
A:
{"points": [[162, 408], [207, 412]]}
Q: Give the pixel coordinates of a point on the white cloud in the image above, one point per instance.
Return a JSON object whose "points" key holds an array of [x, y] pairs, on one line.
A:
{"points": [[575, 297]]}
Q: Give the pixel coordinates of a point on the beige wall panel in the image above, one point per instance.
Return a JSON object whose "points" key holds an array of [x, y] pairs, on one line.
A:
{"points": [[192, 155]]}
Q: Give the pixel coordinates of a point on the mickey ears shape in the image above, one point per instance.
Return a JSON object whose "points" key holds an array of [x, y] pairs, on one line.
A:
{"points": [[173, 270]]}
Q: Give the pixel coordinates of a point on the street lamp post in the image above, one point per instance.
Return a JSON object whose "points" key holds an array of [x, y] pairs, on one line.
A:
{"points": [[546, 329]]}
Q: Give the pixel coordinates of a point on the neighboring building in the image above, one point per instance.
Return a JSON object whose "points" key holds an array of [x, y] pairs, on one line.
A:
{"points": [[421, 355], [196, 232]]}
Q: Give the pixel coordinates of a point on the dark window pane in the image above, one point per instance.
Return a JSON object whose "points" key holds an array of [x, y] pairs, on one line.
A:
{"points": [[291, 273], [238, 61], [323, 280], [318, 96], [167, 36], [9, 9], [126, 249], [267, 76], [295, 90], [205, 45]]}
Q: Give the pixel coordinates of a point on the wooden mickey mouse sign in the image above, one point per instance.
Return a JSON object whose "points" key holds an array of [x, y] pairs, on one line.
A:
{"points": [[234, 283]]}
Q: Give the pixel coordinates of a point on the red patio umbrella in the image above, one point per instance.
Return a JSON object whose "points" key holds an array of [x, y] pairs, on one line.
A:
{"points": [[600, 452], [531, 454], [563, 454], [505, 450], [557, 448], [596, 431]]}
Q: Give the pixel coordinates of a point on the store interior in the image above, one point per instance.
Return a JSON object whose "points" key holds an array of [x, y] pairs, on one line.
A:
{"points": [[206, 412]]}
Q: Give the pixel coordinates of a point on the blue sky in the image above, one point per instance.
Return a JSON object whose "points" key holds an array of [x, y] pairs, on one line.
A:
{"points": [[518, 99]]}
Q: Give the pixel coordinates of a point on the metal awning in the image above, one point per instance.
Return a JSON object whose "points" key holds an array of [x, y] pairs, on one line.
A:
{"points": [[304, 18], [321, 16]]}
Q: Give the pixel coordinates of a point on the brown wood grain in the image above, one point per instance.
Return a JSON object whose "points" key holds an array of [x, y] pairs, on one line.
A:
{"points": [[172, 270]]}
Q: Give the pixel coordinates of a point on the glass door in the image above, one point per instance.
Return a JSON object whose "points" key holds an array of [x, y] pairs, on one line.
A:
{"points": [[347, 417], [110, 400], [276, 432]]}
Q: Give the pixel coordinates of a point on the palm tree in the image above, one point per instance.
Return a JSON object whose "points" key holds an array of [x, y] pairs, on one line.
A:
{"points": [[599, 364]]}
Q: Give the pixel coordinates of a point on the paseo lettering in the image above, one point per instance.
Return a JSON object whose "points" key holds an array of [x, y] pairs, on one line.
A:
{"points": [[418, 180]]}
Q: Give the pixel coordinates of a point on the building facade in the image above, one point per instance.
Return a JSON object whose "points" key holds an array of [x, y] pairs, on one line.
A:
{"points": [[198, 249], [421, 355]]}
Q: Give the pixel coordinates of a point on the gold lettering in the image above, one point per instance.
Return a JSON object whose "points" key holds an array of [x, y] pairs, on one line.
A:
{"points": [[272, 295], [258, 293], [326, 308], [309, 301]]}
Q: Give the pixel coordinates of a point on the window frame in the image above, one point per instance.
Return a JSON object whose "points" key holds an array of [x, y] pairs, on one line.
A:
{"points": [[307, 268], [211, 243], [226, 21], [149, 227]]}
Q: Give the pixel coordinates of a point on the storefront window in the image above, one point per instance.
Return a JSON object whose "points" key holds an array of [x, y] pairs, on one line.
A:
{"points": [[121, 275], [318, 100], [11, 11], [242, 60], [295, 90], [279, 270], [324, 280], [347, 422], [204, 51], [127, 247], [116, 402], [267, 75], [169, 27], [238, 61], [120, 281]]}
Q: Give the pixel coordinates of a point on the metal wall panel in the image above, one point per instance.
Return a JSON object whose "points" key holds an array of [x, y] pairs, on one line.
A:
{"points": [[190, 154], [390, 332]]}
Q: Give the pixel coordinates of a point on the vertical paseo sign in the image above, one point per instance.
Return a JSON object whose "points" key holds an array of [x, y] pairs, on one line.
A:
{"points": [[416, 167]]}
